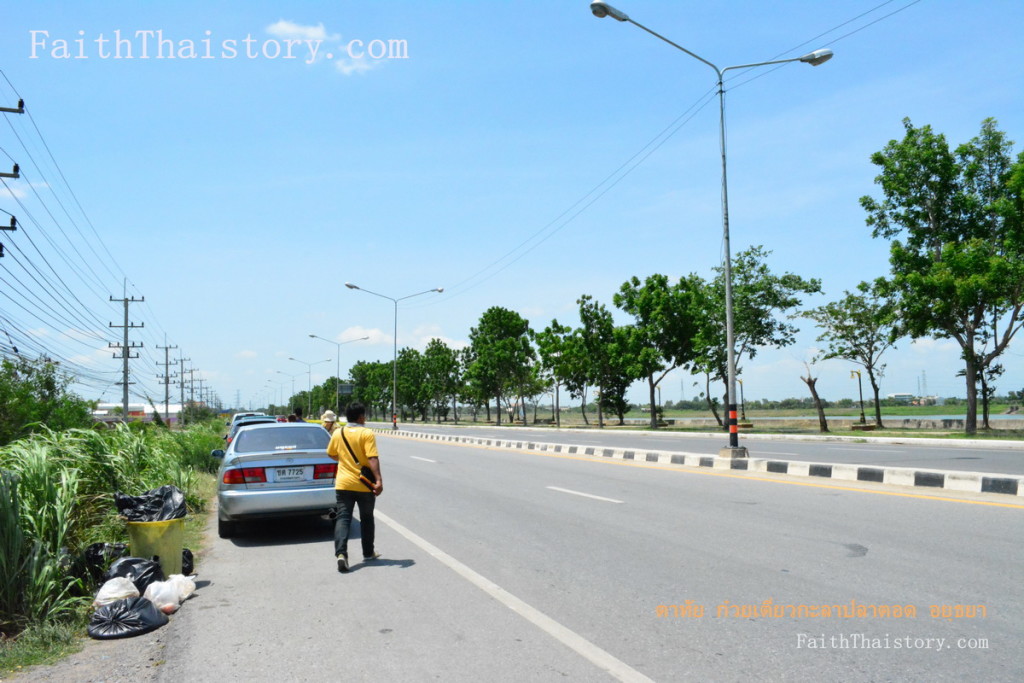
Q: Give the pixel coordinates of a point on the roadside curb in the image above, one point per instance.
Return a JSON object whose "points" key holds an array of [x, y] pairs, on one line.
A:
{"points": [[969, 482]]}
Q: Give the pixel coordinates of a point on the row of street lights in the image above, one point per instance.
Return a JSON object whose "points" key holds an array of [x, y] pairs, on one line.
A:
{"points": [[394, 362], [602, 9]]}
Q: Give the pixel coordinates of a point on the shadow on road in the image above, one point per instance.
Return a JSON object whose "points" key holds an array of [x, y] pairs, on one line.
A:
{"points": [[286, 531]]}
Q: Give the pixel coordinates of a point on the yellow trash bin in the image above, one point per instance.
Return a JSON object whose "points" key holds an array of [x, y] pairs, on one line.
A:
{"points": [[163, 540]]}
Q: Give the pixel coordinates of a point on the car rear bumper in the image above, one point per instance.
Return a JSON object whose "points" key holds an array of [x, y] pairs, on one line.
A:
{"points": [[240, 504]]}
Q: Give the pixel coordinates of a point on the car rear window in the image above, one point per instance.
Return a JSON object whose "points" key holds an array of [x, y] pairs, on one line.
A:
{"points": [[281, 439]]}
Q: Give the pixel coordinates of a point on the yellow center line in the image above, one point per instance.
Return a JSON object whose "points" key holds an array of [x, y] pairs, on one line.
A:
{"points": [[710, 473]]}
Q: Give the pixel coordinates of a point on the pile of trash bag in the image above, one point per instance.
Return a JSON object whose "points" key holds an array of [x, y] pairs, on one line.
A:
{"points": [[158, 505], [136, 597]]}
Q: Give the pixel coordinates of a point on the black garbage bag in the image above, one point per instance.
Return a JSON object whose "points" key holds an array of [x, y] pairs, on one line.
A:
{"points": [[98, 557], [125, 618], [140, 571], [187, 562], [158, 505]]}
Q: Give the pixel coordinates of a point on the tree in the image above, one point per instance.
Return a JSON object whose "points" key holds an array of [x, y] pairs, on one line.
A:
{"points": [[441, 376], [666, 319], [34, 395], [501, 344], [858, 328], [372, 386], [760, 297], [811, 383], [956, 226], [412, 387], [562, 355]]}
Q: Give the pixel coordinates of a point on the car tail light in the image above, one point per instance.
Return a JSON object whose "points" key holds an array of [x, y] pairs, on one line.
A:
{"points": [[246, 475], [325, 471]]}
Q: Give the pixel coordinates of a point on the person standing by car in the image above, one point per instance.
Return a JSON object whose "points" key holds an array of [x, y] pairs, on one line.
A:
{"points": [[329, 421], [354, 447]]}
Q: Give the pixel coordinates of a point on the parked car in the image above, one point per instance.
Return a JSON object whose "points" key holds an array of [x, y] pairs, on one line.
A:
{"points": [[247, 420], [237, 416], [274, 470]]}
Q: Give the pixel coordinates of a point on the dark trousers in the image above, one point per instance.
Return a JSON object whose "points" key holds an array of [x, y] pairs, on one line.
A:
{"points": [[347, 501]]}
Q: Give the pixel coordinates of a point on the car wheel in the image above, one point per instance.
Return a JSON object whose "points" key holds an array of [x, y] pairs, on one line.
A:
{"points": [[226, 529]]}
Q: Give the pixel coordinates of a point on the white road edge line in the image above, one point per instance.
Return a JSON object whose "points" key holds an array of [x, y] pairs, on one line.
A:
{"points": [[570, 639], [585, 495], [867, 447], [416, 457]]}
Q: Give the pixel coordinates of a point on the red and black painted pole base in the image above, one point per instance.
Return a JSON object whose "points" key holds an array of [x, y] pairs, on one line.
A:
{"points": [[733, 450], [394, 421]]}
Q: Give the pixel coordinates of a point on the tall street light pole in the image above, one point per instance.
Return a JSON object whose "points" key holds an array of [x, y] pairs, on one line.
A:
{"points": [[602, 9], [309, 381], [287, 374], [337, 376], [394, 363]]}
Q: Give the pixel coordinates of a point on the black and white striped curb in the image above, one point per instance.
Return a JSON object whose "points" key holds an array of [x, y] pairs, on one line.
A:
{"points": [[971, 482]]}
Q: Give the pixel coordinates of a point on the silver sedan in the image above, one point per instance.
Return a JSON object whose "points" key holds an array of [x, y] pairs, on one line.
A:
{"points": [[274, 470]]}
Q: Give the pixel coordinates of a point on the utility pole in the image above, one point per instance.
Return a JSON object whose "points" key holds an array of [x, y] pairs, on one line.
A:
{"points": [[126, 348], [166, 377], [13, 226], [181, 380]]}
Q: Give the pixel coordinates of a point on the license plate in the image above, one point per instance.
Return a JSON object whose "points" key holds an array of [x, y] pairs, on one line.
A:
{"points": [[290, 474]]}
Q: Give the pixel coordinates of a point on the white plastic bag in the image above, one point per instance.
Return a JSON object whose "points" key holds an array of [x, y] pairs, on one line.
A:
{"points": [[183, 584], [119, 588], [164, 595]]}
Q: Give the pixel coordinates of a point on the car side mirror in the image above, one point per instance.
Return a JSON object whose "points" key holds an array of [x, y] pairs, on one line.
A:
{"points": [[217, 453]]}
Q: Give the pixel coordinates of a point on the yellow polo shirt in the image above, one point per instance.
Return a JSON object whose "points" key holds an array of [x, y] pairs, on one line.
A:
{"points": [[364, 445]]}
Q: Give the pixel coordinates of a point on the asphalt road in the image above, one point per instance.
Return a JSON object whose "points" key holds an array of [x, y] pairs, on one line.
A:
{"points": [[503, 565], [996, 458]]}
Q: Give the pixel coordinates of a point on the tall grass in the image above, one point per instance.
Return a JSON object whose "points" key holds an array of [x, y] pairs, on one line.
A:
{"points": [[57, 497]]}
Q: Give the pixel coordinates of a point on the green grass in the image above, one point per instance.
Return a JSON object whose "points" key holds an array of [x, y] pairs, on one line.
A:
{"points": [[49, 642], [57, 498], [43, 643]]}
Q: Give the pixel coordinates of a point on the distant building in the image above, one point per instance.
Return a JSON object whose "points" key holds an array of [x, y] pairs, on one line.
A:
{"points": [[111, 412], [903, 399]]}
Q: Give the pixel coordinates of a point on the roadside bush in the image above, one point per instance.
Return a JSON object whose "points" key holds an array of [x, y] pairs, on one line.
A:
{"points": [[33, 393], [57, 498]]}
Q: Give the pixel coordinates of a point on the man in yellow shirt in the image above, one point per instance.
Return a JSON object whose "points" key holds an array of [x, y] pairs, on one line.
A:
{"points": [[354, 447]]}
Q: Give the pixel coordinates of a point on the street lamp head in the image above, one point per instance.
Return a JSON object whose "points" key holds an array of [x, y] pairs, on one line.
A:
{"points": [[439, 290], [602, 9], [312, 336], [351, 286], [817, 57]]}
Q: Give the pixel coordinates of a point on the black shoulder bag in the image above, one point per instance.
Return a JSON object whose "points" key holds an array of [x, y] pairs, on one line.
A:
{"points": [[366, 475]]}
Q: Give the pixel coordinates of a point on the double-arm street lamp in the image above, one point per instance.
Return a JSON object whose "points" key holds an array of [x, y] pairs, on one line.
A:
{"points": [[394, 363], [602, 9], [337, 376], [309, 381]]}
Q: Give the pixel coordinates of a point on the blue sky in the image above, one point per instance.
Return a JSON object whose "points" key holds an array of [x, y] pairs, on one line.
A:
{"points": [[238, 195]]}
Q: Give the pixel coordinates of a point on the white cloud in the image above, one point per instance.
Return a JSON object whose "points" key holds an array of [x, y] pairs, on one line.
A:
{"points": [[423, 334], [289, 29], [347, 67], [16, 189], [246, 354], [929, 345], [375, 336]]}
